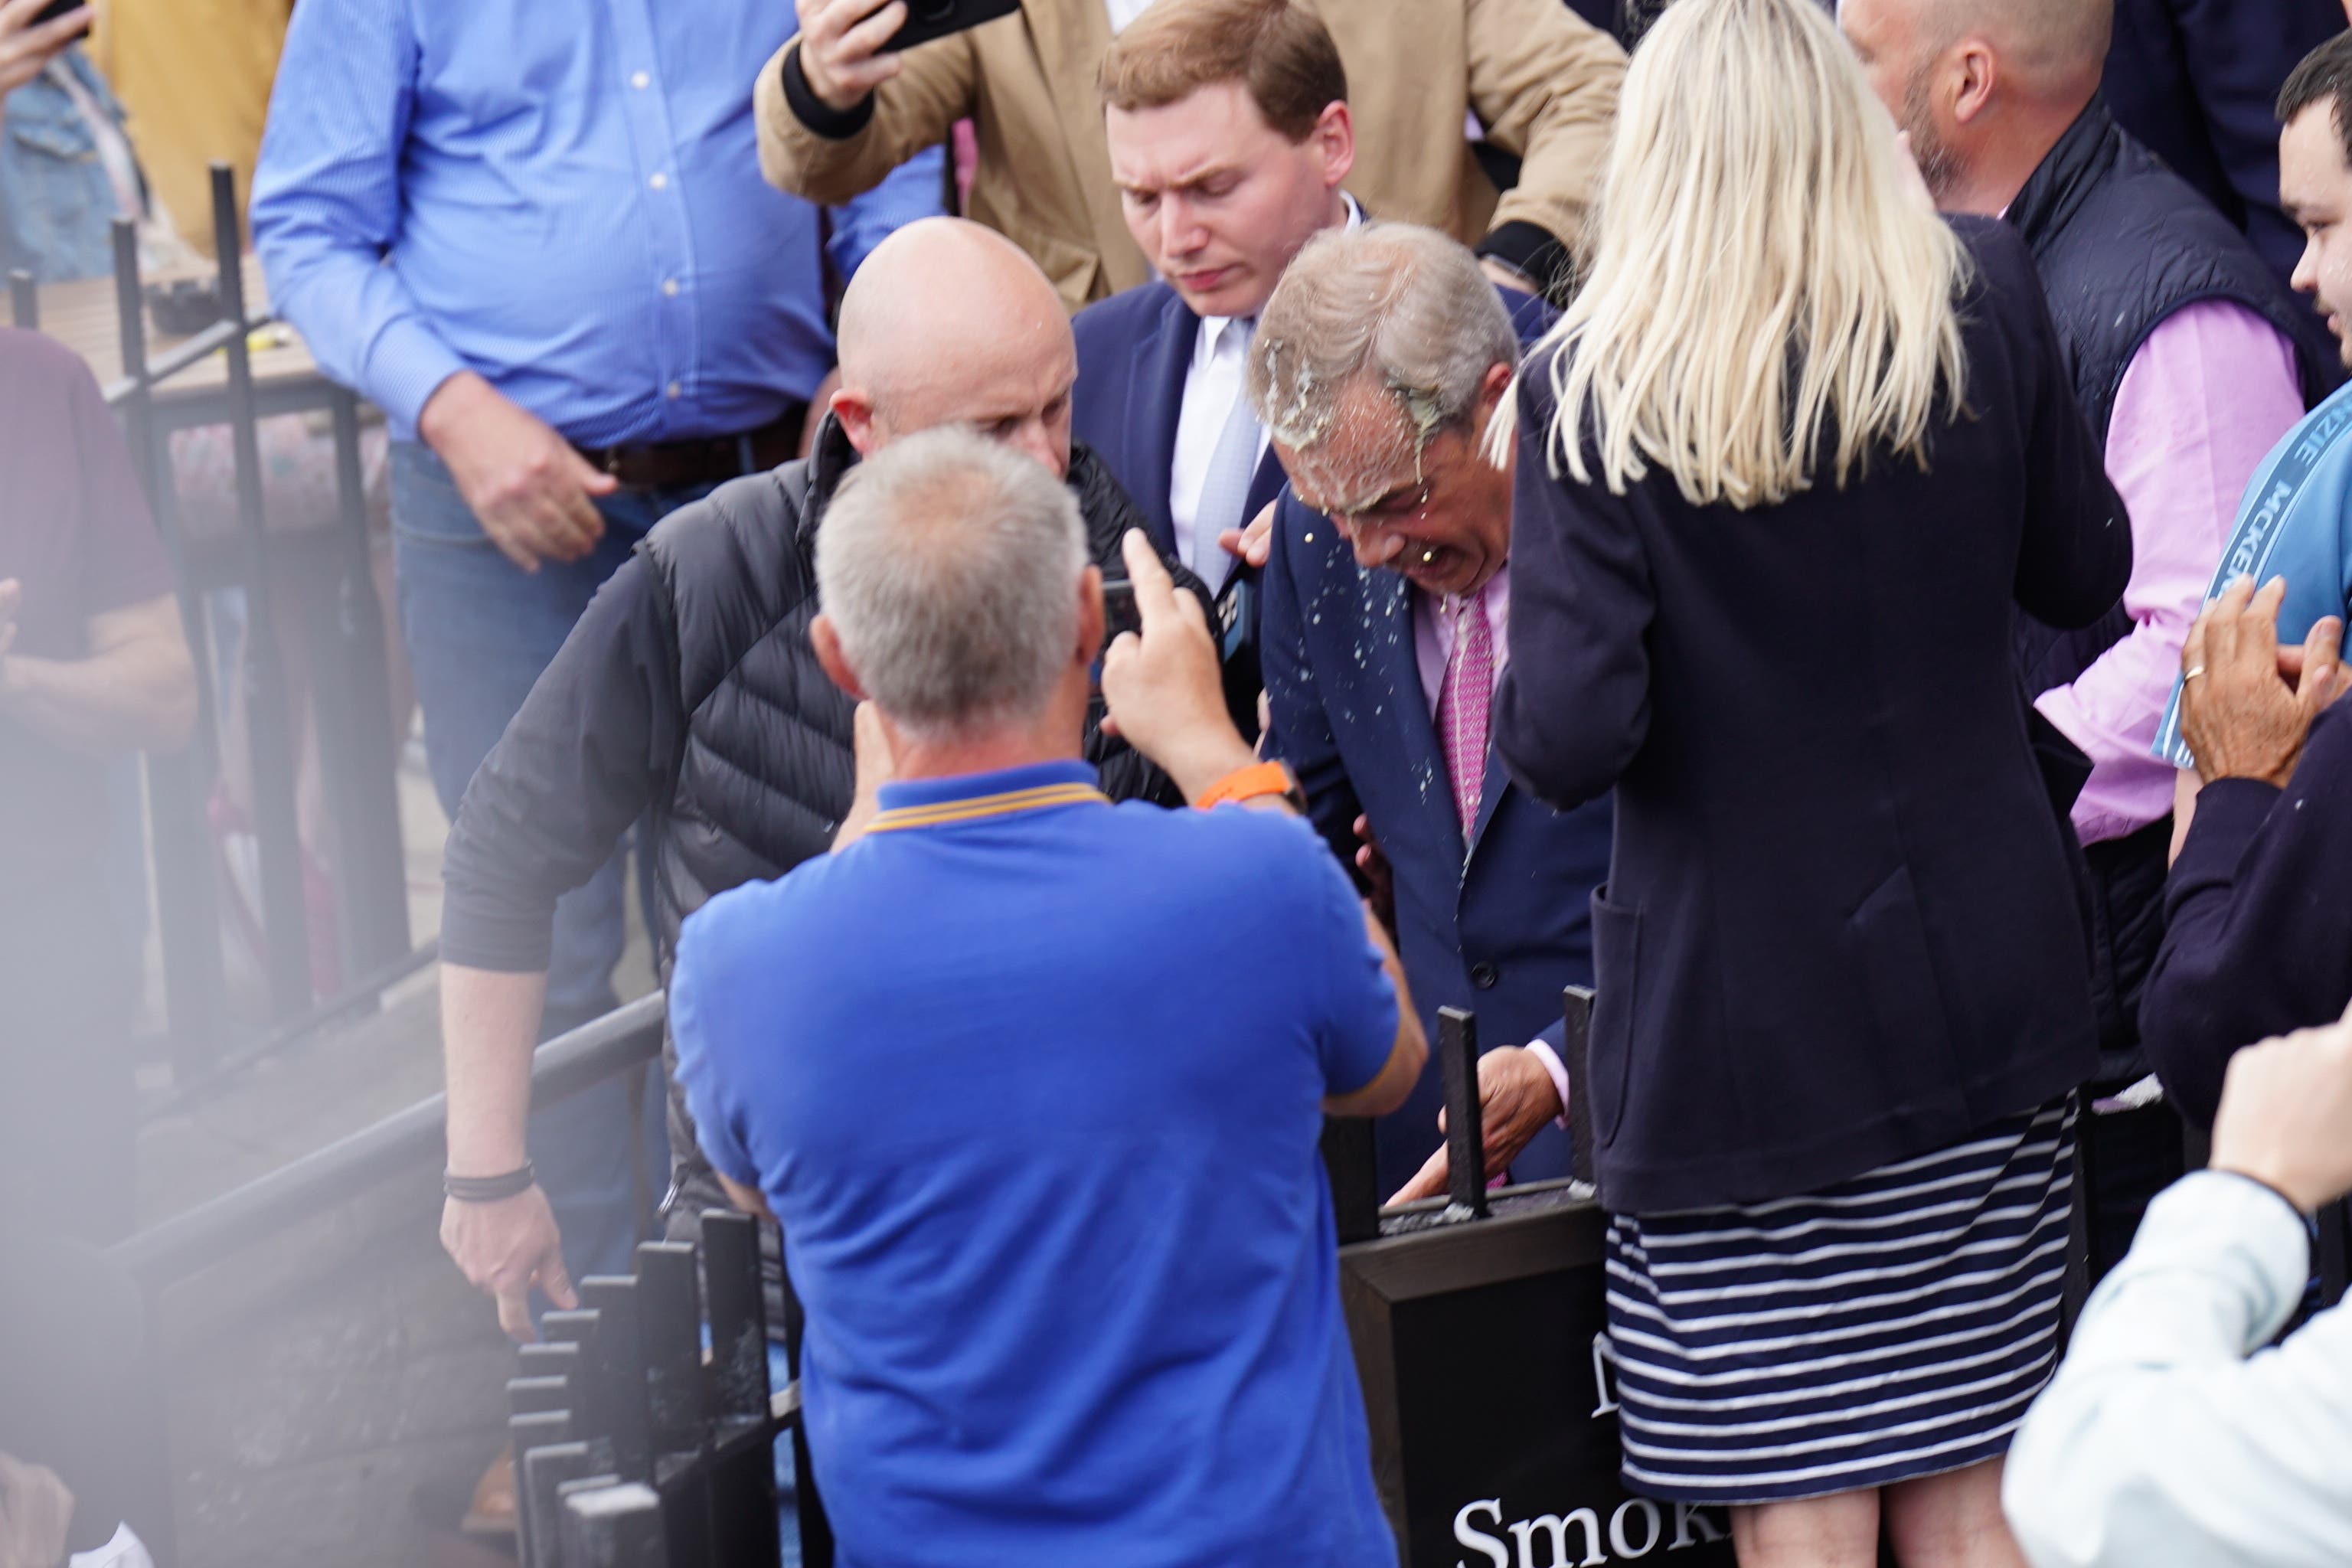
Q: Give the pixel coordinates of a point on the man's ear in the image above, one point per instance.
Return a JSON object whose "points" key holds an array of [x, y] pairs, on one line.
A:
{"points": [[827, 643], [1091, 618], [856, 411], [1978, 71], [1334, 137]]}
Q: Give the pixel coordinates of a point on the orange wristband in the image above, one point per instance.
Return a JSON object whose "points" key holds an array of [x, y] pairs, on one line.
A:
{"points": [[1249, 782]]}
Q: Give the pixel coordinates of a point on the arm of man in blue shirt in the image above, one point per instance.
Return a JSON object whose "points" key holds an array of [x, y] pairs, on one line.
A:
{"points": [[327, 204]]}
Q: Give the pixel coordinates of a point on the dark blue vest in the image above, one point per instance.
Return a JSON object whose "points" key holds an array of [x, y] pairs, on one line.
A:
{"points": [[2122, 243]]}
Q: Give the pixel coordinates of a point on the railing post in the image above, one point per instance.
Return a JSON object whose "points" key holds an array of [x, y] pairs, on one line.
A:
{"points": [[1576, 1057], [618, 1526], [358, 750], [284, 915], [742, 1489], [1465, 1138], [616, 1364], [669, 1322], [187, 900], [24, 301], [541, 1475]]}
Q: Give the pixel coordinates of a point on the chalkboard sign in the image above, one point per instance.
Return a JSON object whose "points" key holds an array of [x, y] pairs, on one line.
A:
{"points": [[1485, 1361], [1480, 1336]]}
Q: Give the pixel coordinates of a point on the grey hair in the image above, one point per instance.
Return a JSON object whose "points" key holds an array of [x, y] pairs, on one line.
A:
{"points": [[948, 565], [1405, 304]]}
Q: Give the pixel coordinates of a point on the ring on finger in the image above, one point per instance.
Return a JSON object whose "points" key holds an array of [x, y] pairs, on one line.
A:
{"points": [[2193, 672]]}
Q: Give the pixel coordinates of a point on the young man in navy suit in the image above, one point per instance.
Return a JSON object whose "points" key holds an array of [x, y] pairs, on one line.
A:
{"points": [[1379, 362], [1230, 140]]}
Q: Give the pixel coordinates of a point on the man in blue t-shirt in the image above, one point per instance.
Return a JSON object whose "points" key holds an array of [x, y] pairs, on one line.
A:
{"points": [[1035, 1083]]}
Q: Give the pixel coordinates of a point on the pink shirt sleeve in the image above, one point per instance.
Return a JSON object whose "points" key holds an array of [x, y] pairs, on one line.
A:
{"points": [[2206, 398]]}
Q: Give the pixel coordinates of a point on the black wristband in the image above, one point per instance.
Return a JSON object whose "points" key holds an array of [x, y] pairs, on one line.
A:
{"points": [[1535, 254], [824, 118], [489, 1189]]}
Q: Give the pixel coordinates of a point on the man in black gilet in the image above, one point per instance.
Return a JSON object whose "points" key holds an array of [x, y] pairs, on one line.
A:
{"points": [[2189, 360], [689, 695]]}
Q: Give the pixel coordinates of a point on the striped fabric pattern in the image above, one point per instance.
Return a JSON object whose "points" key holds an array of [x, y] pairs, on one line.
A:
{"points": [[1894, 1325]]}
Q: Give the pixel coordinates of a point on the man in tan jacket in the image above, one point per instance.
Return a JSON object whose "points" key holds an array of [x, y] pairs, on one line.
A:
{"points": [[836, 114]]}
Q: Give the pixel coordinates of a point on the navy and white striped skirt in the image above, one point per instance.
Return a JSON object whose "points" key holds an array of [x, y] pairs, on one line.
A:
{"points": [[1892, 1326]]}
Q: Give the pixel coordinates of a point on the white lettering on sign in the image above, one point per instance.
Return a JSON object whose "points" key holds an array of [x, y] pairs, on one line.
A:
{"points": [[1652, 1527], [1689, 1517], [1584, 1518], [1478, 1540], [1604, 1358], [1634, 1530]]}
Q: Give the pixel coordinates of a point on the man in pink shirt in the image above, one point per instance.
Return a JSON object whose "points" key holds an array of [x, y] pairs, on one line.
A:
{"points": [[2190, 360]]}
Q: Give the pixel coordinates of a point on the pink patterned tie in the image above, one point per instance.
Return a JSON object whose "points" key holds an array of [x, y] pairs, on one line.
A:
{"points": [[1462, 702]]}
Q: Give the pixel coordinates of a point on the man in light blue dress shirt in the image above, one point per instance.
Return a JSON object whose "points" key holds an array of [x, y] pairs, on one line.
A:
{"points": [[536, 235]]}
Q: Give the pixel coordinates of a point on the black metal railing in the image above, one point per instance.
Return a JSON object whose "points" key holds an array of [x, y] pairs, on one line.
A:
{"points": [[632, 1450], [404, 1142], [351, 706]]}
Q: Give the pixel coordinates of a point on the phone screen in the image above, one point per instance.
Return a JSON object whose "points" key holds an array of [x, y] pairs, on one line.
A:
{"points": [[1119, 613]]}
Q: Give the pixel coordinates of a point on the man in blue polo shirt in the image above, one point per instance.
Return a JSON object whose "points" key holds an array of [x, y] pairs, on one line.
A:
{"points": [[1035, 1083]]}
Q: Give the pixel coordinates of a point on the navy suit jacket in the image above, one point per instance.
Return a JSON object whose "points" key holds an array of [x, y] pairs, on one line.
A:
{"points": [[2195, 80], [1135, 349], [1499, 925]]}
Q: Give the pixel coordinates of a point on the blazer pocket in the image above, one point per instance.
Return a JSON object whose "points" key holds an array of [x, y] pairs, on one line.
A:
{"points": [[1889, 942], [1617, 984]]}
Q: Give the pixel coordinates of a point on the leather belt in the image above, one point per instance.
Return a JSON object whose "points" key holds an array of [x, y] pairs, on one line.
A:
{"points": [[704, 460]]}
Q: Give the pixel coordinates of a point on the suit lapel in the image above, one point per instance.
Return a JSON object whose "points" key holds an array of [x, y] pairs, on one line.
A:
{"points": [[1490, 797], [1394, 661], [1155, 400], [1265, 486]]}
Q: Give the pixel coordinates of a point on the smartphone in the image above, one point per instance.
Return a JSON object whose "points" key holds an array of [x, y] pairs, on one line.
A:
{"points": [[928, 19], [55, 9], [1119, 612]]}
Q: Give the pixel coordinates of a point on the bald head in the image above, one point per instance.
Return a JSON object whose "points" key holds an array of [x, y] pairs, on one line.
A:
{"points": [[2050, 46], [1983, 88], [951, 324]]}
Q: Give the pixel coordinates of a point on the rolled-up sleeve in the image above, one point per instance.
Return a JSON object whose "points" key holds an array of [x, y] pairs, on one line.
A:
{"points": [[592, 746], [327, 204], [2199, 406], [2170, 1436]]}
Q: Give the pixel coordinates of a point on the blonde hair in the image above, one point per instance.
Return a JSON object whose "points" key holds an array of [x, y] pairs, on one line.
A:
{"points": [[1764, 268]]}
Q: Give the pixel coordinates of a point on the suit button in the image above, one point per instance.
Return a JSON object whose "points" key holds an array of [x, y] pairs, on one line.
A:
{"points": [[1484, 976]]}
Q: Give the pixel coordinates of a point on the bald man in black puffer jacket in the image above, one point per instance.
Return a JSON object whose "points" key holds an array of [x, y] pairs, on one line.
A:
{"points": [[688, 696]]}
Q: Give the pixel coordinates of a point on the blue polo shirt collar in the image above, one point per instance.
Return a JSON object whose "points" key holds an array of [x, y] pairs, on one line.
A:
{"points": [[924, 803]]}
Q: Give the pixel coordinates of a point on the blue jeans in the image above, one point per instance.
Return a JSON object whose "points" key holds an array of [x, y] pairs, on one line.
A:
{"points": [[479, 632]]}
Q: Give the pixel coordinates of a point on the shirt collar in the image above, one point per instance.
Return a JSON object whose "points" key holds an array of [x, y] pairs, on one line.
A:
{"points": [[916, 792]]}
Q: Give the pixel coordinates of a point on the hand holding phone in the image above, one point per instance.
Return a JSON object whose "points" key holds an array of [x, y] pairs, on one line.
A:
{"points": [[32, 32], [849, 48]]}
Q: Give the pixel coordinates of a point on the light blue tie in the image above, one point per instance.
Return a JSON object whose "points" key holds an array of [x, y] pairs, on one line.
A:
{"points": [[1224, 492]]}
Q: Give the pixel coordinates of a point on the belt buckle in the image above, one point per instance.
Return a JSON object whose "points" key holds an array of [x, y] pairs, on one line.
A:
{"points": [[611, 464]]}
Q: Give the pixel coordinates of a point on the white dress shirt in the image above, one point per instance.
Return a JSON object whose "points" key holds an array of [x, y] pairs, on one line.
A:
{"points": [[1220, 367], [2170, 1438], [1122, 12]]}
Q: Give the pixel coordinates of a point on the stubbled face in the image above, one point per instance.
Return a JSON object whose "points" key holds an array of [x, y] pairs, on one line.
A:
{"points": [[1218, 199], [2316, 189], [1439, 515], [1892, 43]]}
